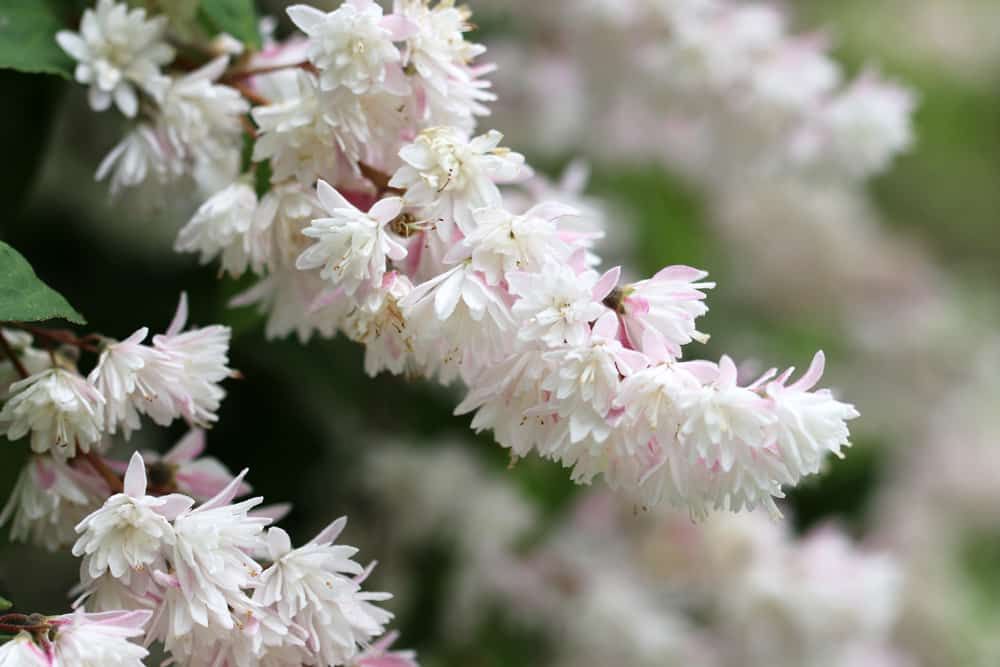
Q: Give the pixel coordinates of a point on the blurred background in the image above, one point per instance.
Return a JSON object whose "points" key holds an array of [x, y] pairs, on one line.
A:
{"points": [[495, 564]]}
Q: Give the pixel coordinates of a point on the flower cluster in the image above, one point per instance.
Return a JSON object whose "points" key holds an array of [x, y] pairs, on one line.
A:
{"points": [[196, 569], [615, 588], [712, 86], [384, 219], [168, 553]]}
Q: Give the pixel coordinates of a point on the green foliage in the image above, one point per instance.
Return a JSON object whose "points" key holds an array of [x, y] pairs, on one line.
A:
{"points": [[24, 297], [27, 38], [236, 17], [5, 604]]}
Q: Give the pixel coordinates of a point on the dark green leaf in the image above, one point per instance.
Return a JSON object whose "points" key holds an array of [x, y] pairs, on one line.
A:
{"points": [[24, 297], [28, 38], [237, 17]]}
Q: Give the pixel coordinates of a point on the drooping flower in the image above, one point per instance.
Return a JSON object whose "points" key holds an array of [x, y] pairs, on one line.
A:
{"points": [[143, 152], [99, 639], [116, 50], [49, 499], [200, 357], [221, 226], [22, 651], [131, 531], [60, 410], [351, 247], [318, 586]]}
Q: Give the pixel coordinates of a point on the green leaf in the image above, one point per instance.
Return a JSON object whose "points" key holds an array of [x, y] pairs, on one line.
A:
{"points": [[24, 297], [5, 604], [237, 17], [28, 38]]}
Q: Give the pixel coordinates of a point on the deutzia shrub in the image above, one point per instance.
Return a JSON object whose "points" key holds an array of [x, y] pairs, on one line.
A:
{"points": [[380, 212], [342, 173]]}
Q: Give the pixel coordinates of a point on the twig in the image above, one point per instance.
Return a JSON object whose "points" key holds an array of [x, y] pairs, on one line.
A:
{"points": [[379, 179], [103, 470], [251, 95], [14, 358], [62, 336], [228, 79]]}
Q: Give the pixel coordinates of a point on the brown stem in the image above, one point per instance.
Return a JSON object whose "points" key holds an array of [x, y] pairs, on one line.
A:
{"points": [[14, 359], [7, 627], [251, 95], [109, 475], [62, 336], [228, 79], [379, 179]]}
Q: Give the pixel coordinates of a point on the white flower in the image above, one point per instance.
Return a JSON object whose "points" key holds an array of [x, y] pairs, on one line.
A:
{"points": [[555, 305], [22, 651], [49, 499], [307, 134], [353, 45], [659, 313], [452, 175], [221, 226], [117, 376], [115, 49], [142, 152], [201, 119], [351, 247], [60, 410], [33, 359], [317, 586], [211, 560], [721, 421], [458, 322], [99, 640], [441, 58], [867, 125], [131, 531], [501, 242], [388, 343], [808, 423], [197, 359], [585, 379]]}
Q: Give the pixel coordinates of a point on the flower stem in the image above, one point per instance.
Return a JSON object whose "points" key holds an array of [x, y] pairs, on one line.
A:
{"points": [[8, 352], [109, 475]]}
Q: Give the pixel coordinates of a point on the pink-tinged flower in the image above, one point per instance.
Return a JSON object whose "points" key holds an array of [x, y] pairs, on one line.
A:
{"points": [[212, 562], [200, 477], [450, 175], [22, 651], [49, 499], [318, 587], [439, 60], [459, 323], [352, 46], [126, 375], [199, 359], [60, 410], [379, 655], [351, 247], [100, 639], [382, 328], [501, 242], [585, 380], [131, 531], [659, 313]]}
